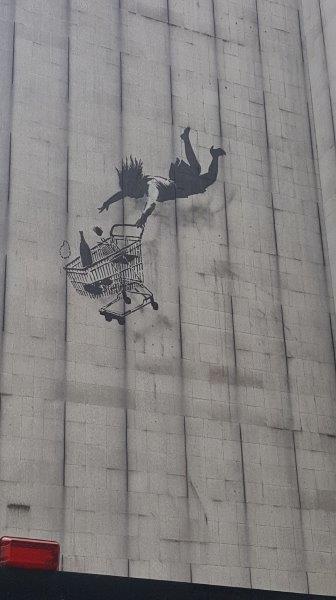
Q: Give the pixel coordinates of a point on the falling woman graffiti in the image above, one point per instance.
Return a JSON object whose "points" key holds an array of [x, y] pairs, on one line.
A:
{"points": [[184, 180], [114, 268]]}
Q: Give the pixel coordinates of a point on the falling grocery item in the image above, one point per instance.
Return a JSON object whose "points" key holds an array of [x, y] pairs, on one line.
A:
{"points": [[84, 251], [65, 251], [98, 230]]}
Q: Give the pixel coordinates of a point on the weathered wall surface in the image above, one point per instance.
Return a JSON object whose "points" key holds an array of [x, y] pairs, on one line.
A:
{"points": [[196, 442]]}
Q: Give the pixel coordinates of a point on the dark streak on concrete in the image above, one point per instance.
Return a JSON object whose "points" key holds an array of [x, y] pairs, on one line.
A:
{"points": [[258, 28], [266, 123], [296, 470], [310, 132], [126, 450], [168, 12], [64, 442], [299, 495], [68, 71], [214, 18], [226, 216], [180, 322], [121, 84], [233, 334], [186, 456], [244, 484], [321, 235], [67, 179], [285, 346], [332, 339], [328, 70], [171, 95], [66, 308], [274, 227], [288, 384], [9, 184], [300, 36], [13, 53], [64, 391], [4, 295]]}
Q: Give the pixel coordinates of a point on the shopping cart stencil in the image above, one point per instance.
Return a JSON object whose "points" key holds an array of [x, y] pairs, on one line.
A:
{"points": [[115, 272], [113, 268]]}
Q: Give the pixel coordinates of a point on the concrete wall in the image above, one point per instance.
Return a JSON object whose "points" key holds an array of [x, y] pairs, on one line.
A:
{"points": [[196, 442]]}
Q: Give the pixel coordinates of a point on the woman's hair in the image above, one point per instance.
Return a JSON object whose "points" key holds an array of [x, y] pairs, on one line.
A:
{"points": [[132, 181]]}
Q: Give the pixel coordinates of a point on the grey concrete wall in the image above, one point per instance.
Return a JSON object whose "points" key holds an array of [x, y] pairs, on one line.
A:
{"points": [[196, 442]]}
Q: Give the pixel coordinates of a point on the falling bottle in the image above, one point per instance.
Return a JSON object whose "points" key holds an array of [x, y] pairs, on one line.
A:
{"points": [[85, 252]]}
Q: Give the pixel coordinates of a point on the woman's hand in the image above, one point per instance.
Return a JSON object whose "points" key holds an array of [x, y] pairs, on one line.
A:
{"points": [[104, 206], [114, 198]]}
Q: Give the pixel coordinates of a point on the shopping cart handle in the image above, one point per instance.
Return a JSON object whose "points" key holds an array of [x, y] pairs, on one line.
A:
{"points": [[125, 225]]}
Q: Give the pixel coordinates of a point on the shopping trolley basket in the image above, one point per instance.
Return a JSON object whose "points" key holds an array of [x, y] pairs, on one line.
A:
{"points": [[116, 272]]}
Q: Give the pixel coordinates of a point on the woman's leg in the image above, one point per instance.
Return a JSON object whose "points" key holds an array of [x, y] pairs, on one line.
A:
{"points": [[190, 154], [210, 177]]}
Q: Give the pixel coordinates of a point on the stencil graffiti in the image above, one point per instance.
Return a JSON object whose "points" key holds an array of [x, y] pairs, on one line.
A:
{"points": [[113, 268], [184, 180]]}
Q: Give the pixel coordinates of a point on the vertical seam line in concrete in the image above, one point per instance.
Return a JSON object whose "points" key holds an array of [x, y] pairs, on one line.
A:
{"points": [[220, 121], [126, 393], [66, 309], [285, 347], [186, 455], [127, 479], [299, 496], [275, 229], [181, 373], [66, 228], [67, 179], [9, 176], [288, 383], [4, 294], [233, 336], [332, 339], [315, 157], [328, 71], [180, 322], [226, 224], [121, 98], [69, 69], [64, 441], [313, 146], [9, 185], [244, 487], [227, 230], [272, 201], [300, 36], [321, 235], [13, 52]]}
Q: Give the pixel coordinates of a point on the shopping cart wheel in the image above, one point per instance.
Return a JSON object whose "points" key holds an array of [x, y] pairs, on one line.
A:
{"points": [[155, 305], [108, 317], [121, 320]]}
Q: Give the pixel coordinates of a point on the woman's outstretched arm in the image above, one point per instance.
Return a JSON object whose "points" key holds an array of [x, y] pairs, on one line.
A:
{"points": [[151, 200], [114, 198]]}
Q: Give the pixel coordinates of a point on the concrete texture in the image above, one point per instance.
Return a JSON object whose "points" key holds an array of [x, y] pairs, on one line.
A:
{"points": [[198, 442]]}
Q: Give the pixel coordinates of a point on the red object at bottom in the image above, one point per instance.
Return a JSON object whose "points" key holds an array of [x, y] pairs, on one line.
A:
{"points": [[24, 553]]}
